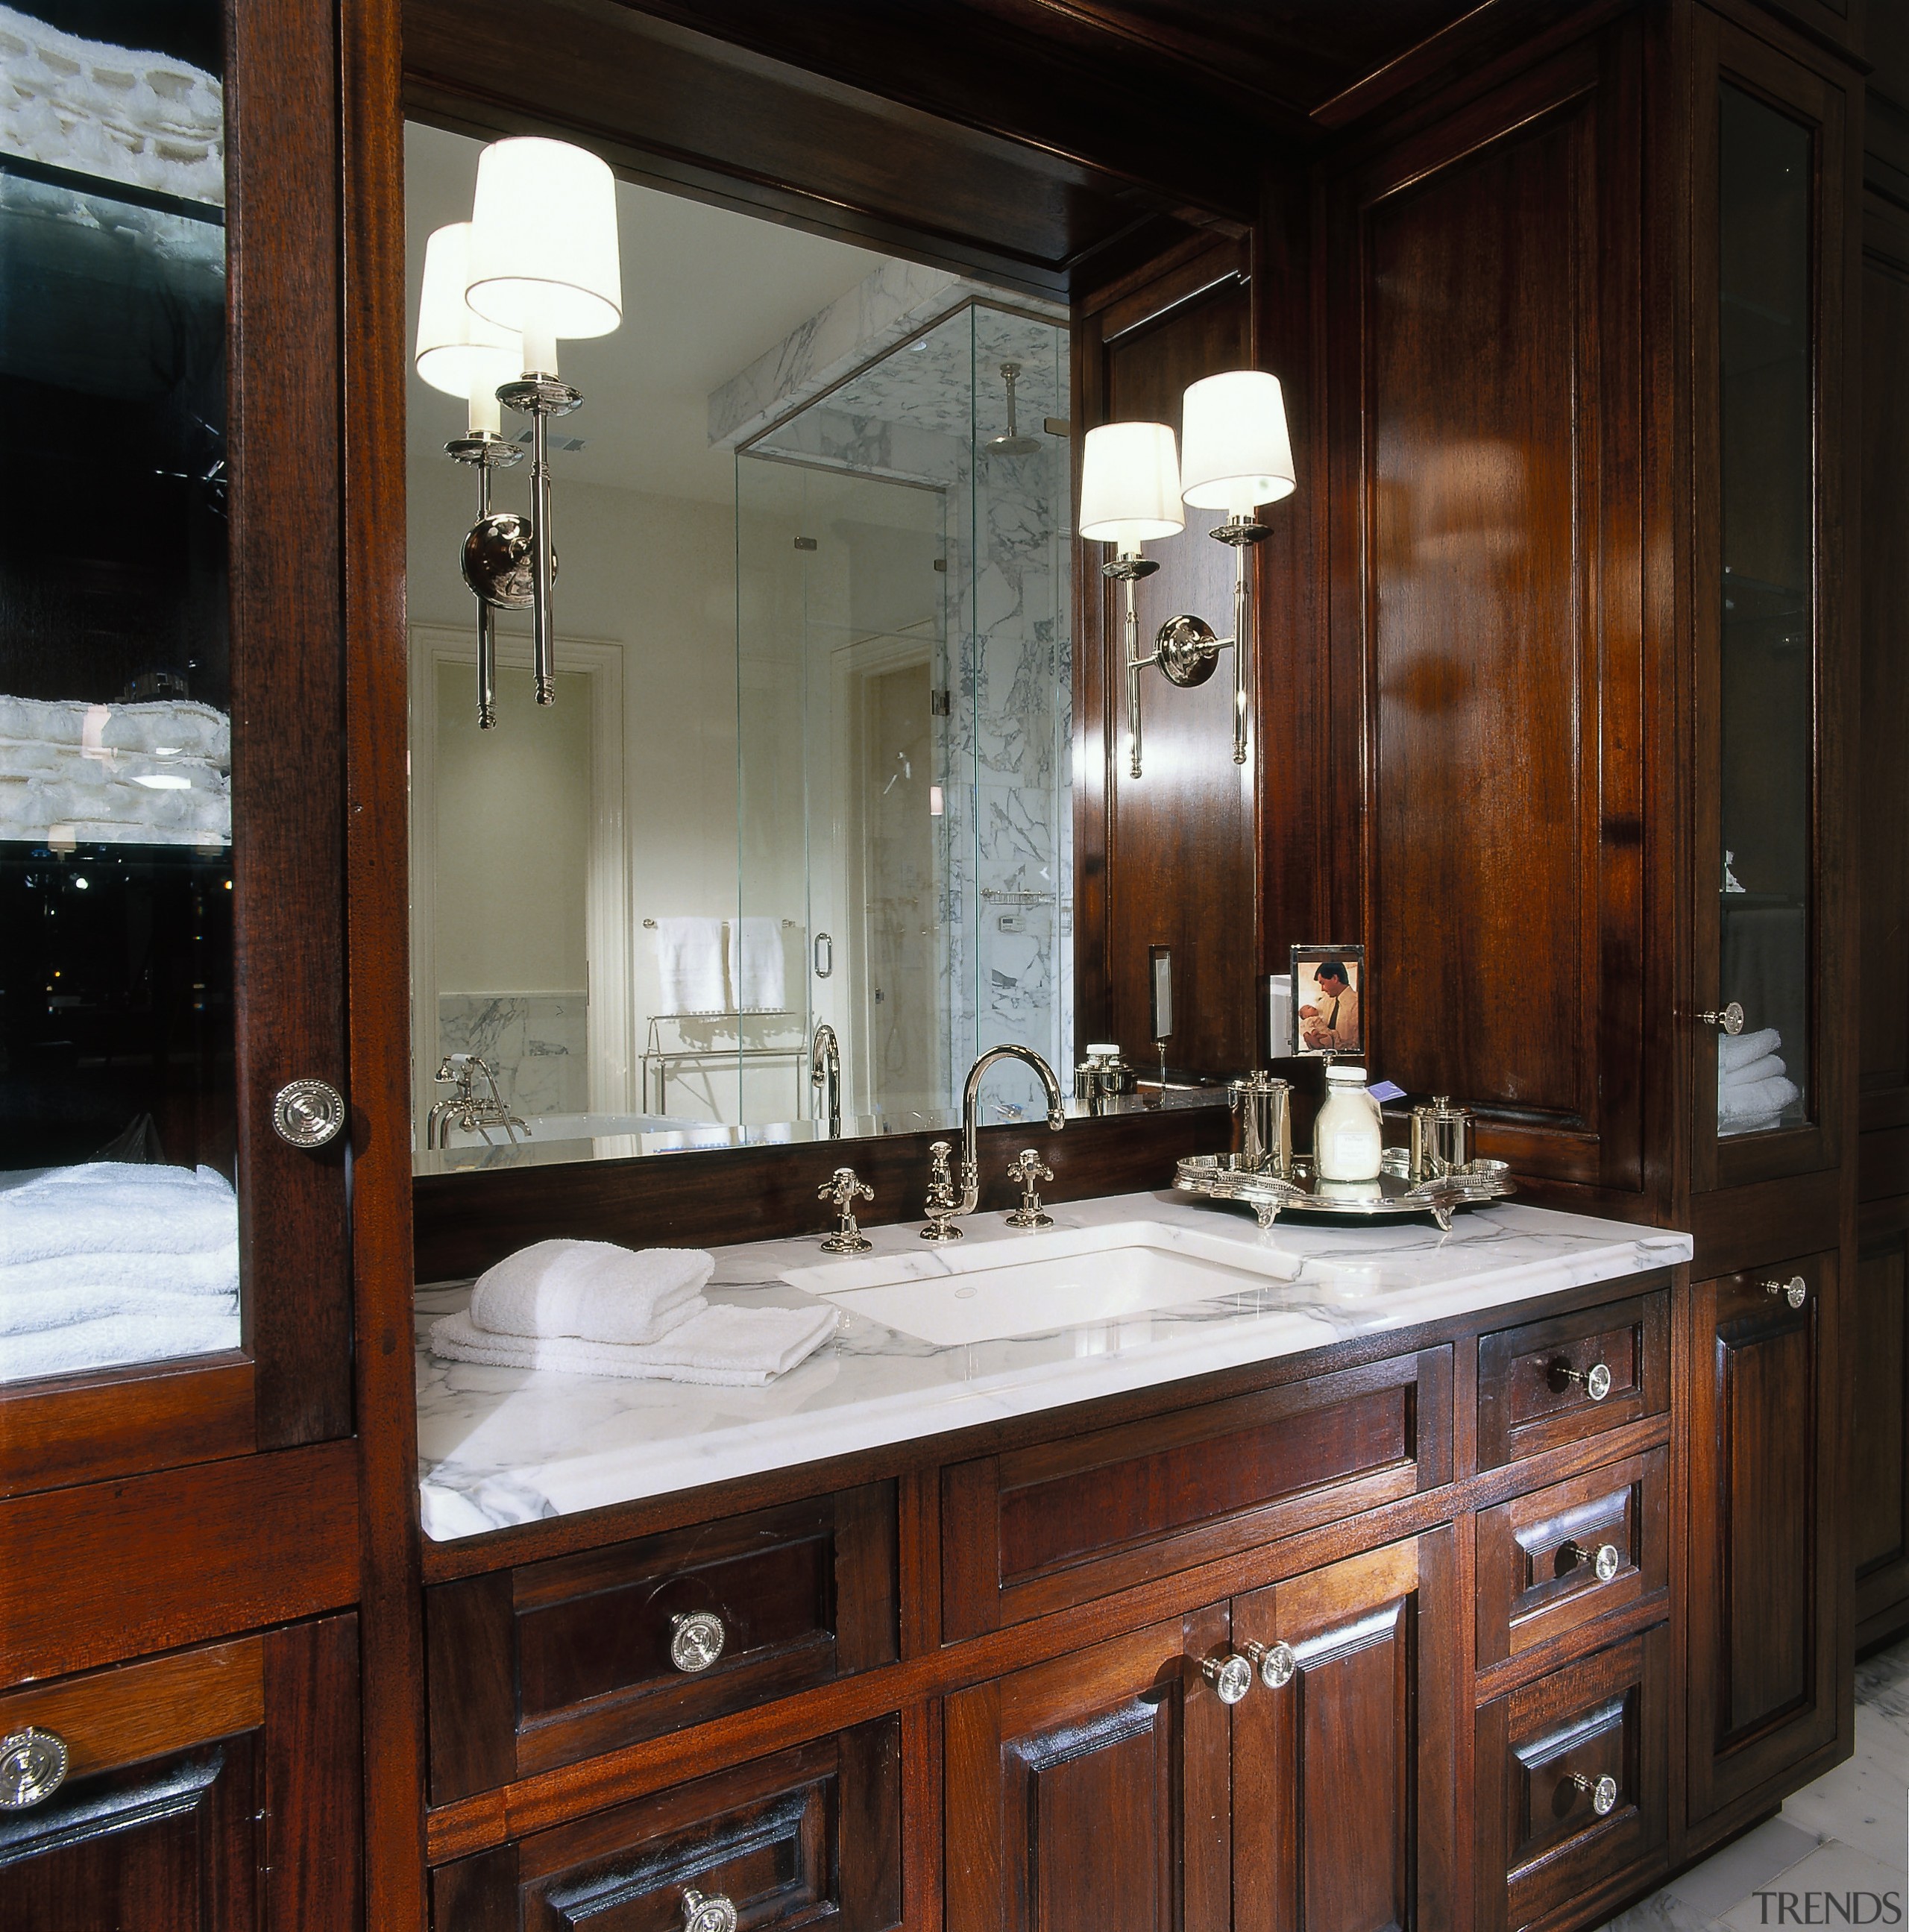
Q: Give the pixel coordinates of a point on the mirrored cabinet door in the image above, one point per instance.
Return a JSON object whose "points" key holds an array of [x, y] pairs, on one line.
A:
{"points": [[1773, 1016], [169, 678]]}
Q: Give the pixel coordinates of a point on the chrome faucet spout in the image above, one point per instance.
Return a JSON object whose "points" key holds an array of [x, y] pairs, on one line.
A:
{"points": [[825, 1074], [944, 1207]]}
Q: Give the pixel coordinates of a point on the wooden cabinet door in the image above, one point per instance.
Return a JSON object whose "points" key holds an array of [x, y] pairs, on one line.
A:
{"points": [[213, 1790], [1766, 1551], [1091, 1791], [1344, 1764]]}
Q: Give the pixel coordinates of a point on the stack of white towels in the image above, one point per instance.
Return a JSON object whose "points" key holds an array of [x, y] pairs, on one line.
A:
{"points": [[1752, 1087], [590, 1308], [152, 774], [115, 1262]]}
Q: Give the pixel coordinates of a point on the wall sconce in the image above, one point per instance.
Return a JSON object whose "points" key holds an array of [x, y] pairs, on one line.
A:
{"points": [[1238, 455], [540, 263]]}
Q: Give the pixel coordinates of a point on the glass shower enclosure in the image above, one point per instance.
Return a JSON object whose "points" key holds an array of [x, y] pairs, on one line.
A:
{"points": [[904, 682]]}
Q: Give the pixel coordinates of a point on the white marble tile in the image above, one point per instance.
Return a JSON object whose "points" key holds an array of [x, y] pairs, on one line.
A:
{"points": [[1724, 1881], [1662, 1912], [1864, 1801], [499, 1446], [1818, 1892]]}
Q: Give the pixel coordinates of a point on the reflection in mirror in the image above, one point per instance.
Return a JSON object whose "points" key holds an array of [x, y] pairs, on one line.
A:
{"points": [[793, 843], [118, 1218]]}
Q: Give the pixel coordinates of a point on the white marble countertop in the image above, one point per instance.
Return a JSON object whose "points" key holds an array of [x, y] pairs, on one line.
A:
{"points": [[502, 1446]]}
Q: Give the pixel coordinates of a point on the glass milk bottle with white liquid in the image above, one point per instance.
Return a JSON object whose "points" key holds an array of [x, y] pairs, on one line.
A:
{"points": [[1346, 1136]]}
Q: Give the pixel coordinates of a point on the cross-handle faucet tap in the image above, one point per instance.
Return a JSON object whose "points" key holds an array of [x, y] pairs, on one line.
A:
{"points": [[464, 1108], [944, 1207], [843, 1192], [1028, 1170]]}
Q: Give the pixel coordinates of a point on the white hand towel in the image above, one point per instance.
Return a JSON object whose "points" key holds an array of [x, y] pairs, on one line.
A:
{"points": [[124, 1207], [121, 1281], [592, 1290], [1770, 1067], [755, 964], [723, 1347], [1764, 1096], [117, 1339], [689, 960], [35, 1311], [1745, 1047]]}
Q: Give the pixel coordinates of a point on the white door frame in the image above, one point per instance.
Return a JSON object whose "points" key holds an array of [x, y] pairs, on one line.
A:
{"points": [[606, 940]]}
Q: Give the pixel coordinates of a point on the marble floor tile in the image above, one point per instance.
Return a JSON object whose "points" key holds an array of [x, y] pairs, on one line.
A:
{"points": [[1713, 1888], [1836, 1870], [1662, 1912], [1864, 1800]]}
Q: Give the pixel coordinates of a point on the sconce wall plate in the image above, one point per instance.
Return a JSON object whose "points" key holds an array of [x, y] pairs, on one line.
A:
{"points": [[1186, 650]]}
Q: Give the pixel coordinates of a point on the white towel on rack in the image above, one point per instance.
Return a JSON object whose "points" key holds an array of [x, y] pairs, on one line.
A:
{"points": [[592, 1292], [755, 964], [690, 962], [1745, 1048], [724, 1347]]}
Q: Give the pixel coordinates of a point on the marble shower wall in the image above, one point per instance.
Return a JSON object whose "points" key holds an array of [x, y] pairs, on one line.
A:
{"points": [[923, 414], [536, 1043]]}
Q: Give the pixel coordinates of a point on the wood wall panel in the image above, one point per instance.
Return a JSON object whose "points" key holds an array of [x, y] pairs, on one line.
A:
{"points": [[1166, 859], [1879, 1473], [1487, 699]]}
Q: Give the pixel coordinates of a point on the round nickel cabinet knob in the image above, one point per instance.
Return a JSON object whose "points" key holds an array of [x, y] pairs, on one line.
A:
{"points": [[1795, 1291], [1231, 1676], [308, 1113], [712, 1914], [1603, 1790], [696, 1639], [32, 1768], [1604, 1562], [1277, 1663], [1595, 1380], [1726, 1019]]}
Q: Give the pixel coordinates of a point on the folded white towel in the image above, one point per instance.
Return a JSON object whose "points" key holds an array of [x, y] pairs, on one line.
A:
{"points": [[117, 1207], [115, 1340], [593, 1291], [723, 1347], [689, 960], [1755, 1124], [40, 1309], [755, 964], [1770, 1067], [1745, 1047], [1763, 1096], [168, 727], [106, 1284]]}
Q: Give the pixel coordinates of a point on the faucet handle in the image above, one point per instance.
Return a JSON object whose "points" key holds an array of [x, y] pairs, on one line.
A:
{"points": [[943, 1202], [843, 1192], [1029, 1171]]}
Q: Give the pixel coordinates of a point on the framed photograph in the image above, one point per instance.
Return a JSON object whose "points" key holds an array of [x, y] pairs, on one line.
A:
{"points": [[1328, 993]]}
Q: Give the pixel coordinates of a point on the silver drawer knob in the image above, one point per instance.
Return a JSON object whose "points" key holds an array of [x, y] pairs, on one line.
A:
{"points": [[713, 1914], [308, 1113], [1726, 1019], [1276, 1661], [696, 1639], [1231, 1676], [1605, 1562], [1795, 1291], [32, 1768], [1603, 1790], [1596, 1380]]}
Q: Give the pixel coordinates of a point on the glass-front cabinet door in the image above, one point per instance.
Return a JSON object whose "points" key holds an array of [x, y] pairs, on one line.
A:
{"points": [[172, 1273], [1771, 980]]}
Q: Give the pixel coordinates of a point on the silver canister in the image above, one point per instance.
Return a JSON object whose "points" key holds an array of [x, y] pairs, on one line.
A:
{"points": [[1103, 1075], [1262, 1125], [1441, 1140]]}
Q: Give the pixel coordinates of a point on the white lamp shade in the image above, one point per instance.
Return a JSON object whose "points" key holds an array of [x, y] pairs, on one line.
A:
{"points": [[1130, 485], [458, 351], [1237, 453], [543, 240]]}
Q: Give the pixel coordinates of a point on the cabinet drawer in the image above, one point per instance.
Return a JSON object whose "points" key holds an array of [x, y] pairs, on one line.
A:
{"points": [[552, 1662], [1037, 1529], [1551, 1561], [1538, 1382], [810, 1837], [1543, 1753]]}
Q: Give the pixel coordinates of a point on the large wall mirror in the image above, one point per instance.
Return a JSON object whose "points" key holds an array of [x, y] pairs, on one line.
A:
{"points": [[808, 762]]}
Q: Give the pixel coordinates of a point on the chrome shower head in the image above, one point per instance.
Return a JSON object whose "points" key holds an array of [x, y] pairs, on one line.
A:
{"points": [[1013, 443]]}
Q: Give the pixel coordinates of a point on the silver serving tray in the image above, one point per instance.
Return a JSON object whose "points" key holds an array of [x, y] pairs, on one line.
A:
{"points": [[1213, 1177]]}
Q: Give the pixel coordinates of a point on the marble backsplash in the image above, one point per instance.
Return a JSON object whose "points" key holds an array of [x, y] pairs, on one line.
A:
{"points": [[537, 1044]]}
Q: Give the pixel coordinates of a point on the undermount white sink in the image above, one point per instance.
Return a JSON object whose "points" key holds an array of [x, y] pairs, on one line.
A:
{"points": [[1033, 1283]]}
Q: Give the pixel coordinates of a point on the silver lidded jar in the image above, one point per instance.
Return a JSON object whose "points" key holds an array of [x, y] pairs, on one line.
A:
{"points": [[1262, 1125], [1441, 1140]]}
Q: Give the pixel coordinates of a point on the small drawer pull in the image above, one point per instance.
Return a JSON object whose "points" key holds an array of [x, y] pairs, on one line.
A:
{"points": [[1795, 1291], [32, 1768], [715, 1913], [1604, 1560], [1596, 1380], [696, 1639], [1726, 1019], [1230, 1675], [1276, 1661], [1603, 1790]]}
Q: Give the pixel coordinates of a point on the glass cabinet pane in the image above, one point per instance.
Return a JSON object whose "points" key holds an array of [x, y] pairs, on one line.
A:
{"points": [[1767, 649], [118, 1220]]}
